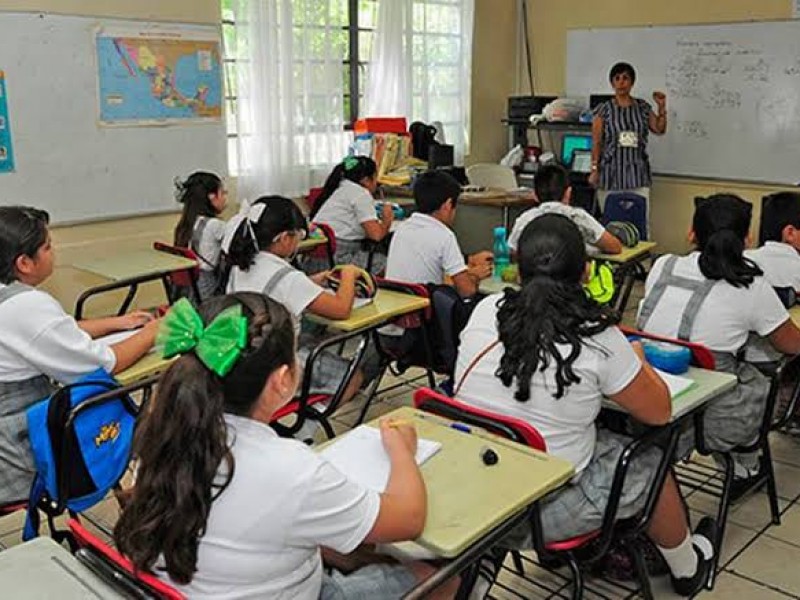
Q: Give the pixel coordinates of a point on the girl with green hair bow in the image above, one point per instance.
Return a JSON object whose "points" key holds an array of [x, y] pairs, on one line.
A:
{"points": [[221, 504]]}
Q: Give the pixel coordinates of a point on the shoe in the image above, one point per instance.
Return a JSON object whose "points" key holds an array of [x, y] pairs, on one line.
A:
{"points": [[740, 486], [689, 586]]}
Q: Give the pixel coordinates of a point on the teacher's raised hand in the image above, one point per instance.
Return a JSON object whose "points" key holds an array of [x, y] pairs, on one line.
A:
{"points": [[660, 99]]}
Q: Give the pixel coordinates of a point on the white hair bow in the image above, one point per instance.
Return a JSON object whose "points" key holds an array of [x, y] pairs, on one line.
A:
{"points": [[249, 213]]}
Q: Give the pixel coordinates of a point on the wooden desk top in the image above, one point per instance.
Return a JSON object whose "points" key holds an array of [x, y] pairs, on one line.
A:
{"points": [[150, 364], [467, 499], [129, 265], [498, 198], [794, 312], [43, 569], [385, 306], [628, 254], [493, 285], [707, 386]]}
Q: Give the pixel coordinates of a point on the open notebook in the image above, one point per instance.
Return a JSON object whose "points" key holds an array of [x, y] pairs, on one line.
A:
{"points": [[677, 385], [359, 454]]}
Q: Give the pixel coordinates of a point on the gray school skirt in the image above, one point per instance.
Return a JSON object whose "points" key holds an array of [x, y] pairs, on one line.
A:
{"points": [[373, 582], [578, 507], [16, 459]]}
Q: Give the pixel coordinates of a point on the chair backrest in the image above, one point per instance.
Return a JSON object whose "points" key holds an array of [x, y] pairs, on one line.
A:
{"points": [[312, 197], [122, 569], [492, 175], [701, 356], [181, 279], [510, 428], [329, 249], [411, 321], [627, 207]]}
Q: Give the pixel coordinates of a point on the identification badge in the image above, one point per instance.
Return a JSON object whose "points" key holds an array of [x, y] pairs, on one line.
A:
{"points": [[628, 139]]}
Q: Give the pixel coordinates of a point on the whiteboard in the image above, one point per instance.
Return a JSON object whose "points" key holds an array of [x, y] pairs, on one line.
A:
{"points": [[733, 93], [66, 162]]}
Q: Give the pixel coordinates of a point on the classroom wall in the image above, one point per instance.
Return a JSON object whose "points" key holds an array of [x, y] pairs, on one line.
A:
{"points": [[548, 23], [183, 11]]}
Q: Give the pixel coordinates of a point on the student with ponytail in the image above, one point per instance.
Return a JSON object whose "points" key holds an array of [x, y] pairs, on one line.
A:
{"points": [[203, 197], [260, 247], [347, 205], [40, 343], [548, 354], [716, 296], [223, 507]]}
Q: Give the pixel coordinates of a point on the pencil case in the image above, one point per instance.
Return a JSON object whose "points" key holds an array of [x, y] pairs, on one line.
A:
{"points": [[667, 357], [398, 211]]}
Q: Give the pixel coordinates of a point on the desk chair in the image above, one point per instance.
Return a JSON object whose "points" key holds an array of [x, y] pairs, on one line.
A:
{"points": [[491, 175], [181, 283], [586, 548], [716, 481], [116, 570], [627, 207]]}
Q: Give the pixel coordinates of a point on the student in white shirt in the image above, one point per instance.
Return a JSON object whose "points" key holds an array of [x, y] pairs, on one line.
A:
{"points": [[779, 258], [204, 197], [716, 297], [552, 189], [548, 354], [40, 343], [424, 248], [222, 506], [260, 251], [347, 205]]}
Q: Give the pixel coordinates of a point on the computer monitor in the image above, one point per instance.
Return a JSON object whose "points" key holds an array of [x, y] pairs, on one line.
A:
{"points": [[572, 142], [581, 161]]}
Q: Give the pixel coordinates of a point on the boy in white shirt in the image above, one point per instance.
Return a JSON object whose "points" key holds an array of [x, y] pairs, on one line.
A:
{"points": [[424, 248], [779, 258], [552, 189]]}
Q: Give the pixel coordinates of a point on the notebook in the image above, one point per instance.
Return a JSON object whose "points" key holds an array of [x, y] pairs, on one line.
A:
{"points": [[677, 385], [360, 455]]}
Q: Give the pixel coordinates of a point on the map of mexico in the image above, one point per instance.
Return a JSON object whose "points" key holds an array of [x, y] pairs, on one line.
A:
{"points": [[148, 79]]}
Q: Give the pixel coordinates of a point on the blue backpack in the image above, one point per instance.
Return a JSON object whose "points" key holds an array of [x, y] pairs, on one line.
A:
{"points": [[81, 446]]}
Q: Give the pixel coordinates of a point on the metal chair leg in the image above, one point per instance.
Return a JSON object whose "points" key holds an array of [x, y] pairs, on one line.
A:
{"points": [[772, 487], [637, 555], [577, 578], [722, 514]]}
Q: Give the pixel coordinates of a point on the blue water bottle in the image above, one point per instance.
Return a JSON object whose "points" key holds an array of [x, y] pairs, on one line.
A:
{"points": [[502, 253]]}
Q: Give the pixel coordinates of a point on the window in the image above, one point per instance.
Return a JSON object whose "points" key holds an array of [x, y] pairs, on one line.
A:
{"points": [[357, 21]]}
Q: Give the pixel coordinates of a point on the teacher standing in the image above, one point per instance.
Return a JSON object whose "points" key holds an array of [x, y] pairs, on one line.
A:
{"points": [[619, 138]]}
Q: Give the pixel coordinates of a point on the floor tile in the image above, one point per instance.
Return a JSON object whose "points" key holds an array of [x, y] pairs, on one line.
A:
{"points": [[736, 537], [730, 586], [789, 529], [785, 448], [752, 512], [770, 560], [787, 479]]}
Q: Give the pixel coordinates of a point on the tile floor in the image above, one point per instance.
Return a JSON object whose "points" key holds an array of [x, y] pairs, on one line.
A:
{"points": [[759, 560]]}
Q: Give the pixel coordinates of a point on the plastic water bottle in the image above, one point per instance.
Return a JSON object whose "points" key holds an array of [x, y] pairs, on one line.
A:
{"points": [[502, 253]]}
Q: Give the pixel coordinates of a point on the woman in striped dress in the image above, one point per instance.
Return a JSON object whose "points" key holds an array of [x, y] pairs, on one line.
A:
{"points": [[619, 137]]}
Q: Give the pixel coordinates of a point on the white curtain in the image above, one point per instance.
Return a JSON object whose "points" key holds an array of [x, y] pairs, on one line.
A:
{"points": [[421, 65], [290, 96]]}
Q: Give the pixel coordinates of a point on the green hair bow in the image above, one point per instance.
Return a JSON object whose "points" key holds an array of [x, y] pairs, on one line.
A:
{"points": [[218, 346], [350, 163]]}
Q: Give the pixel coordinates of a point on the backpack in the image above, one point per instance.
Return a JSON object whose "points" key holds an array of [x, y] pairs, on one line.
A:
{"points": [[451, 313], [81, 448], [628, 207], [422, 138]]}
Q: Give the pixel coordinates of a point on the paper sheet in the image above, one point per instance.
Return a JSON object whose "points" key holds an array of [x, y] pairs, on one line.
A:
{"points": [[360, 455], [676, 383]]}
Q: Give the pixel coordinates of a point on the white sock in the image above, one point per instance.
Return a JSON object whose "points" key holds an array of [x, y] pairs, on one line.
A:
{"points": [[682, 559]]}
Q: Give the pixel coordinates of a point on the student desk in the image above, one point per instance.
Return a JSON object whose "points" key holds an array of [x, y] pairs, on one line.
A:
{"points": [[794, 312], [309, 244], [385, 306], [626, 265], [150, 364], [470, 505], [43, 569], [707, 386], [128, 270], [495, 285], [480, 212]]}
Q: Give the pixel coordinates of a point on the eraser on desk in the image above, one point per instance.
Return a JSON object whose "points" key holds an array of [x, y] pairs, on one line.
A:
{"points": [[671, 358]]}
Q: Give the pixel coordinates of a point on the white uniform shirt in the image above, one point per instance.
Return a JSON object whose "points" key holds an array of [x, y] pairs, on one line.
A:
{"points": [[781, 265], [210, 247], [264, 531], [347, 208], [423, 250], [606, 365], [38, 337], [727, 315], [590, 229], [294, 290]]}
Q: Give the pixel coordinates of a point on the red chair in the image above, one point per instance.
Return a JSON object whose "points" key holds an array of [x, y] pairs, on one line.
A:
{"points": [[591, 546], [184, 280], [117, 570], [701, 356], [328, 250]]}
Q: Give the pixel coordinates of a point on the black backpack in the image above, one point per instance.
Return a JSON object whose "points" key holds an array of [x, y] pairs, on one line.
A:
{"points": [[422, 138]]}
